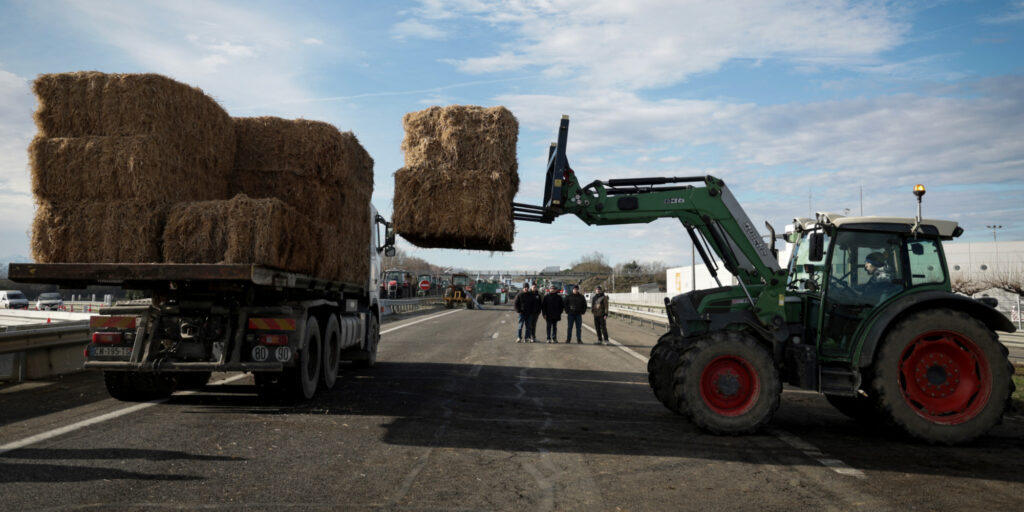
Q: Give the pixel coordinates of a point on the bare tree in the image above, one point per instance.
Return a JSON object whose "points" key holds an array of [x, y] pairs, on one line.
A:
{"points": [[966, 285], [1011, 280]]}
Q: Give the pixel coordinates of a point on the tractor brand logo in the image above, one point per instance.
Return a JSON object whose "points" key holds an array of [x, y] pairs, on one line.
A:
{"points": [[755, 239], [675, 200]]}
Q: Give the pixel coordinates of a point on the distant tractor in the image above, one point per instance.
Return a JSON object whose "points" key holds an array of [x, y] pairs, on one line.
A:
{"points": [[863, 314], [396, 284], [488, 292], [459, 291]]}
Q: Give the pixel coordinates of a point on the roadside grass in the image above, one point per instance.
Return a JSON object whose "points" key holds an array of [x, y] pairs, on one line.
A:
{"points": [[1018, 394]]}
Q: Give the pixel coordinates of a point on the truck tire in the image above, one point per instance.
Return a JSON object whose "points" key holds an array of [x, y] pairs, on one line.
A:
{"points": [[305, 376], [192, 380], [943, 377], [860, 408], [137, 387], [369, 352], [661, 369], [726, 383], [332, 352], [497, 300]]}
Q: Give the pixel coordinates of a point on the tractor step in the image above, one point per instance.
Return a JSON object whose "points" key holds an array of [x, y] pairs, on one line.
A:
{"points": [[839, 381]]}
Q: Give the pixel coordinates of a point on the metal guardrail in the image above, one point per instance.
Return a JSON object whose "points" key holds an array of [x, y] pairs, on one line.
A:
{"points": [[67, 333], [634, 313], [392, 306]]}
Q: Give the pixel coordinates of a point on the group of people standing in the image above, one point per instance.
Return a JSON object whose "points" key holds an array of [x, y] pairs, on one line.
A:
{"points": [[531, 305]]}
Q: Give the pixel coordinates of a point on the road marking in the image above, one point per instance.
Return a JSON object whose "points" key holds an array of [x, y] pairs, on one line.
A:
{"points": [[431, 317], [808, 449], [101, 418], [494, 336]]}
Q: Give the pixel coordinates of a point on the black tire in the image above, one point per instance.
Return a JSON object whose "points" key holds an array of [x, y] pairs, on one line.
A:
{"points": [[943, 377], [368, 354], [497, 300], [447, 304], [727, 383], [332, 352], [860, 408], [661, 369], [469, 303], [137, 387], [192, 380], [304, 378]]}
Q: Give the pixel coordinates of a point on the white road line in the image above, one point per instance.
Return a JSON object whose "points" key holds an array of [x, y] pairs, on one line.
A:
{"points": [[431, 317], [834, 464], [100, 419]]}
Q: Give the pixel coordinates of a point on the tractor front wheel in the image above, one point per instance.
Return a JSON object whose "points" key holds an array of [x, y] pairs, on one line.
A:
{"points": [[943, 377], [726, 383], [661, 368]]}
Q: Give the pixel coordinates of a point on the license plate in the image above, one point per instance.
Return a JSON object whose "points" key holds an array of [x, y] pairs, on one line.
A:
{"points": [[111, 351]]}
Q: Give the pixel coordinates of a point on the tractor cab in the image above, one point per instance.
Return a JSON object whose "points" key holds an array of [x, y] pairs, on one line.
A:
{"points": [[846, 270]]}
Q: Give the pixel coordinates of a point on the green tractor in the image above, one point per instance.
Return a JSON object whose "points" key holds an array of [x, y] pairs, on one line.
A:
{"points": [[488, 291], [863, 313]]}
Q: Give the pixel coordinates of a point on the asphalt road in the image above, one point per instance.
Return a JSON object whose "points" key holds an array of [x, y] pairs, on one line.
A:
{"points": [[456, 416]]}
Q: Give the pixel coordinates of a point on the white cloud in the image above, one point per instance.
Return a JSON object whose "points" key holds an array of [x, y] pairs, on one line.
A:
{"points": [[415, 29], [313, 41], [1013, 14], [16, 130], [650, 43]]}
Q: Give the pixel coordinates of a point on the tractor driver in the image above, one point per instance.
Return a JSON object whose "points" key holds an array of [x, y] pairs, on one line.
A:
{"points": [[880, 281]]}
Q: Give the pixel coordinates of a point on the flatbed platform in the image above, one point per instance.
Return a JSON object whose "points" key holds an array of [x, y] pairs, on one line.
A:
{"points": [[150, 275]]}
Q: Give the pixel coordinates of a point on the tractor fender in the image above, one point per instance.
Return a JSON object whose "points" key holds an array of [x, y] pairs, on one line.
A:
{"points": [[988, 315]]}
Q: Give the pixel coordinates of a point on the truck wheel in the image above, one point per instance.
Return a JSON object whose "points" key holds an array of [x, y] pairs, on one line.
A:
{"points": [[305, 376], [661, 369], [136, 387], [860, 408], [192, 380], [370, 352], [332, 352], [726, 383], [943, 377]]}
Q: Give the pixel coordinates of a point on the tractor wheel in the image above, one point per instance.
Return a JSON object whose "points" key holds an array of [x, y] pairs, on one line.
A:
{"points": [[726, 383], [497, 300], [137, 387], [305, 376], [860, 408], [447, 304], [369, 352], [661, 368], [943, 377], [332, 352], [469, 303]]}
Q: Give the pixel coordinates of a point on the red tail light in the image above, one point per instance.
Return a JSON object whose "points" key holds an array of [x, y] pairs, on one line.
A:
{"points": [[272, 339], [109, 338]]}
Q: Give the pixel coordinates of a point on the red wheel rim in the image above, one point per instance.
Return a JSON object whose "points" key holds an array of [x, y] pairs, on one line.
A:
{"points": [[729, 385], [944, 377]]}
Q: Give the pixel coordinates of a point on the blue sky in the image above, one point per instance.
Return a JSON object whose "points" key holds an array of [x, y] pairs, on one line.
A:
{"points": [[797, 105]]}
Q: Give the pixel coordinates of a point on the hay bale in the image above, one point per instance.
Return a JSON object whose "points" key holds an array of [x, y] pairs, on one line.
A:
{"points": [[141, 167], [97, 232], [241, 230], [459, 180]]}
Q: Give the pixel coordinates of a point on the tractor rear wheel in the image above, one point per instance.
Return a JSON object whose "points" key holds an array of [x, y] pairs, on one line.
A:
{"points": [[661, 368], [726, 383], [943, 377]]}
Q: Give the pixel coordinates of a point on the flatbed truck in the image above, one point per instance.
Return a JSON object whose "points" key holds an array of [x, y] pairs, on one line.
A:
{"points": [[290, 330]]}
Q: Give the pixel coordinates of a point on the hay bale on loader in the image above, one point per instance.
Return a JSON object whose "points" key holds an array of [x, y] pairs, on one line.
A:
{"points": [[117, 150], [459, 179]]}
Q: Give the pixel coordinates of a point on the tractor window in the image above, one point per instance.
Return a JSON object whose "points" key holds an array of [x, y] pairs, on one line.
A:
{"points": [[925, 263], [866, 268], [799, 278]]}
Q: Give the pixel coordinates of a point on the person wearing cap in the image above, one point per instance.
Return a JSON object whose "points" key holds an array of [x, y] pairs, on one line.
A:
{"points": [[575, 307], [551, 308], [535, 315], [526, 304], [880, 275], [599, 308]]}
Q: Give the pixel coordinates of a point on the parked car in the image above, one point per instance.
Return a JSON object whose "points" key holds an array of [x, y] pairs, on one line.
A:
{"points": [[51, 301], [13, 299]]}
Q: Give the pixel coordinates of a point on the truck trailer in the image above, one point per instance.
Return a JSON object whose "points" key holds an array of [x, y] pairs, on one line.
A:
{"points": [[290, 330]]}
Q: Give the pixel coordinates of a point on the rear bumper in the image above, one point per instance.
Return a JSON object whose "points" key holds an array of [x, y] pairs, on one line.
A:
{"points": [[183, 367]]}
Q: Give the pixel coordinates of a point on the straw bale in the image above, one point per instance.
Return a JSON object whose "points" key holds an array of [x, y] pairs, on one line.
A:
{"points": [[459, 180], [141, 167], [241, 230], [97, 232], [301, 147]]}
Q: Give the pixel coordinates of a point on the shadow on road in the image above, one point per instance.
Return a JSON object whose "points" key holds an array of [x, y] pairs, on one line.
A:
{"points": [[599, 412]]}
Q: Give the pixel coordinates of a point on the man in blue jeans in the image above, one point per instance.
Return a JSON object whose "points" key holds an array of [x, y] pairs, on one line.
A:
{"points": [[527, 305], [575, 306]]}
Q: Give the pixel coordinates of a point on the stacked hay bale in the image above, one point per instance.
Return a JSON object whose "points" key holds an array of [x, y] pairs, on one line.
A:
{"points": [[114, 152], [313, 186], [459, 179]]}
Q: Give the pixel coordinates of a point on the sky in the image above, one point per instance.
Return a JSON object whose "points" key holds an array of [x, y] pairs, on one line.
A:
{"points": [[799, 106]]}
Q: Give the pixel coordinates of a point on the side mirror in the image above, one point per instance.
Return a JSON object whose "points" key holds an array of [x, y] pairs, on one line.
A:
{"points": [[389, 251], [816, 251], [389, 234]]}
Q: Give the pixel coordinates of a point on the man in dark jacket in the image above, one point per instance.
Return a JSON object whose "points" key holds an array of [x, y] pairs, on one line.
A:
{"points": [[575, 307], [551, 308], [535, 314], [527, 305], [599, 307]]}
